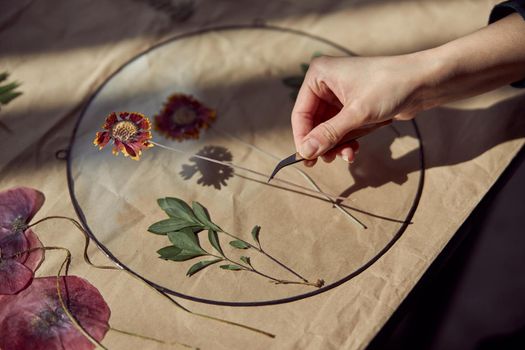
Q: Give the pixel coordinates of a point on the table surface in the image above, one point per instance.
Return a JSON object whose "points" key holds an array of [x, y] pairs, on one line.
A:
{"points": [[471, 296]]}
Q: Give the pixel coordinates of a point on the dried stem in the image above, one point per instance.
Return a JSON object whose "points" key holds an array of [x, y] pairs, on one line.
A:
{"points": [[144, 337], [250, 268], [262, 251], [300, 171], [265, 176]]}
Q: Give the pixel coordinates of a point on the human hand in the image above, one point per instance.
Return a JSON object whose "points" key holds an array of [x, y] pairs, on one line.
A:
{"points": [[341, 95]]}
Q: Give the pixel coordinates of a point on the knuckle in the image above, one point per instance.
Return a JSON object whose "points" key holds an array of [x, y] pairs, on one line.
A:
{"points": [[317, 63], [362, 112], [329, 133]]}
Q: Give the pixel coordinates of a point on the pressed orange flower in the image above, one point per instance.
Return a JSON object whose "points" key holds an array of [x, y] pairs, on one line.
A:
{"points": [[129, 132], [182, 117]]}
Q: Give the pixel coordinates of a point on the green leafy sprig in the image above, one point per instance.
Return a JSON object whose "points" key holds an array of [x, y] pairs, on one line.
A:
{"points": [[185, 222]]}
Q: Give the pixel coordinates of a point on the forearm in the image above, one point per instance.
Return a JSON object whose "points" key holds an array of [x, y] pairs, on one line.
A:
{"points": [[484, 60]]}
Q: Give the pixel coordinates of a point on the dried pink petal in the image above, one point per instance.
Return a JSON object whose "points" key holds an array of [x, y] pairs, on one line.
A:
{"points": [[14, 276], [16, 267], [18, 206], [34, 259], [34, 319]]}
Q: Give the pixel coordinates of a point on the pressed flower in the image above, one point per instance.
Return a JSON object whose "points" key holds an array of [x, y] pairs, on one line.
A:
{"points": [[129, 133], [34, 318], [17, 208], [182, 117]]}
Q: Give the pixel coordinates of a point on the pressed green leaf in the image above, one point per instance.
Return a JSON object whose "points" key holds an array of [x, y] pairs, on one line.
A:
{"points": [[294, 82], [169, 225], [246, 259], [168, 252], [3, 76], [177, 208], [231, 267], [202, 215], [239, 244], [183, 255], [255, 233], [214, 240], [200, 212], [7, 97], [186, 240], [304, 67], [9, 87], [317, 54], [201, 265]]}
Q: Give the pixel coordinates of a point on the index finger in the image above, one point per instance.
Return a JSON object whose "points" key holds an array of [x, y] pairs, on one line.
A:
{"points": [[303, 113]]}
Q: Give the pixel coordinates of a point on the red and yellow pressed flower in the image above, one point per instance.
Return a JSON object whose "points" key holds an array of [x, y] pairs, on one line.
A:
{"points": [[129, 132], [182, 118]]}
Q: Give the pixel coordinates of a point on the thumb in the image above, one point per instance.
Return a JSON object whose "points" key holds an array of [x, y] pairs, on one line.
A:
{"points": [[327, 134]]}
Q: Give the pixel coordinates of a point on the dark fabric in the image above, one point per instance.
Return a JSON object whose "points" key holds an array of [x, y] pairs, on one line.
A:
{"points": [[505, 9]]}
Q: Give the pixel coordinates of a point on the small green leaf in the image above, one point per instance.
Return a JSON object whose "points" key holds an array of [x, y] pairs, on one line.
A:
{"points": [[177, 208], [164, 226], [294, 82], [231, 267], [8, 97], [239, 244], [246, 259], [304, 67], [317, 54], [202, 215], [255, 233], [201, 265], [186, 240], [8, 93], [169, 252], [9, 87], [4, 76], [182, 256], [214, 240]]}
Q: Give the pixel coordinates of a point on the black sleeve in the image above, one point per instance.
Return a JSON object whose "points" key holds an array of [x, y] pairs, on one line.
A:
{"points": [[505, 9]]}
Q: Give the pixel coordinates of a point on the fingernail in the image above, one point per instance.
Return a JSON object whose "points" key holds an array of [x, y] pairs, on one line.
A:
{"points": [[309, 163], [309, 148], [345, 157]]}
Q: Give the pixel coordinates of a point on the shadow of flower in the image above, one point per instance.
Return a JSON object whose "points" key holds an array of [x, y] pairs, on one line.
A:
{"points": [[211, 174]]}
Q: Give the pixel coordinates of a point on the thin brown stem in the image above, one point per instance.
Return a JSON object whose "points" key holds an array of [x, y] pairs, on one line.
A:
{"points": [[250, 268], [282, 265], [262, 251], [144, 337], [87, 240]]}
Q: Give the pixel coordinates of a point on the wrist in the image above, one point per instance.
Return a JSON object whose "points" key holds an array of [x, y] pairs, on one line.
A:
{"points": [[437, 68]]}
